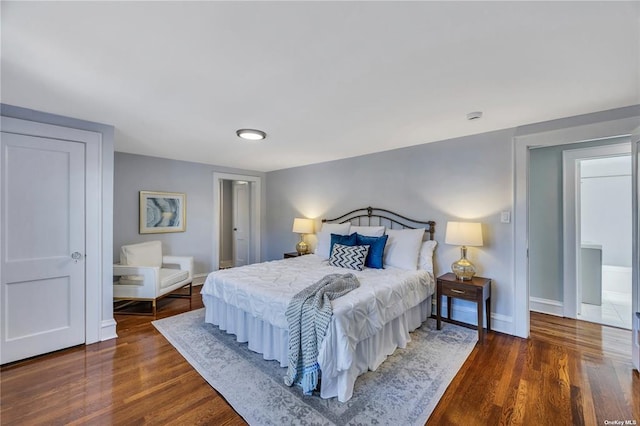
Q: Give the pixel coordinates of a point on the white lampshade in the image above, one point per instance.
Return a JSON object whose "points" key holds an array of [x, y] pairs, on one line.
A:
{"points": [[302, 226], [463, 234]]}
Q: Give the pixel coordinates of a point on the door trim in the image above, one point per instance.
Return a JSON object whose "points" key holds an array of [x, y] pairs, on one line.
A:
{"points": [[522, 144], [255, 209], [95, 329], [571, 216], [635, 260]]}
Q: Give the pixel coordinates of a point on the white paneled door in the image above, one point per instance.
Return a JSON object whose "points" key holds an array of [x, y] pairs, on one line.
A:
{"points": [[241, 223], [42, 275]]}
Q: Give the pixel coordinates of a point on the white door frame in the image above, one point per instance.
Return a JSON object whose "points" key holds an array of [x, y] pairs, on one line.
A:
{"points": [[522, 145], [94, 328], [256, 202], [571, 217], [635, 259]]}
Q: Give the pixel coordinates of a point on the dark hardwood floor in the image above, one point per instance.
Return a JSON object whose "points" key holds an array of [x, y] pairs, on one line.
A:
{"points": [[567, 373]]}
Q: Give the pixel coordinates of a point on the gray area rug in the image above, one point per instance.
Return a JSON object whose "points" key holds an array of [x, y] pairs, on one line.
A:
{"points": [[404, 390]]}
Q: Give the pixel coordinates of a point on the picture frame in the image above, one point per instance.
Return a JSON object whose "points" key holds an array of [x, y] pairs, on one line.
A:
{"points": [[162, 212]]}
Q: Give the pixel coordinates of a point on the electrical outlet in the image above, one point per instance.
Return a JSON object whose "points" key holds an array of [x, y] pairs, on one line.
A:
{"points": [[505, 217]]}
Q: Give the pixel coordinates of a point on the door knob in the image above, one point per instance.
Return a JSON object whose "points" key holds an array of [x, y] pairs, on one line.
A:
{"points": [[76, 255]]}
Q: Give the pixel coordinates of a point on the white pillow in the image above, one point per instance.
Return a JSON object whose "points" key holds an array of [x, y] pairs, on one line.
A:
{"points": [[324, 236], [402, 248], [368, 231], [425, 259]]}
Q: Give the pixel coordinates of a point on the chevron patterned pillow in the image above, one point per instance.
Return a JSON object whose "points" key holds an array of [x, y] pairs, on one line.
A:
{"points": [[351, 257]]}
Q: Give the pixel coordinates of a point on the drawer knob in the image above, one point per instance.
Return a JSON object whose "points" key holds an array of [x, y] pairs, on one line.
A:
{"points": [[453, 290]]}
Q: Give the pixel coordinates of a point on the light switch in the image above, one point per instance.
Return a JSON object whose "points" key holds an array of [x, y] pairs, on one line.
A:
{"points": [[505, 217]]}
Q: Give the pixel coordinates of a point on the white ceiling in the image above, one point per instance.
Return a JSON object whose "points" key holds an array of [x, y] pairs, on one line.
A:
{"points": [[325, 80]]}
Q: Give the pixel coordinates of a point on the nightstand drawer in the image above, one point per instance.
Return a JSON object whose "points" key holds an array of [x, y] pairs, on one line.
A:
{"points": [[460, 291]]}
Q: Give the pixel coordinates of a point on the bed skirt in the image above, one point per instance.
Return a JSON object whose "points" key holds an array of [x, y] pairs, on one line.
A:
{"points": [[338, 377]]}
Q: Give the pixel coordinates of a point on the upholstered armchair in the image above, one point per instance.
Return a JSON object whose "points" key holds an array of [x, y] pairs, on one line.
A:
{"points": [[144, 274]]}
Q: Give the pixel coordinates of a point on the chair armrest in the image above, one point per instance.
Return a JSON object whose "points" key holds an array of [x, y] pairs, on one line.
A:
{"points": [[185, 263], [149, 273]]}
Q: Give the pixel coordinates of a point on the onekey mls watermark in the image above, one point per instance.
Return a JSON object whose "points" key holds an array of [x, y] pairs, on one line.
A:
{"points": [[620, 422]]}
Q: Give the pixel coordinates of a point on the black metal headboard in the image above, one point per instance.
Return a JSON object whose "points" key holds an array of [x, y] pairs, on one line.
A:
{"points": [[375, 216]]}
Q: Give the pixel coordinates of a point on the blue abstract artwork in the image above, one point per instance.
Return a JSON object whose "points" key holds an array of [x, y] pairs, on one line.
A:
{"points": [[161, 212]]}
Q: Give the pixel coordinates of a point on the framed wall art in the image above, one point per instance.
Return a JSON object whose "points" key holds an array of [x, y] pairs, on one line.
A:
{"points": [[162, 212]]}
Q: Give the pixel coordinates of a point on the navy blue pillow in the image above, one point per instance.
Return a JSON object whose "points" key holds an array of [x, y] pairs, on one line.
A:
{"points": [[345, 240], [376, 249]]}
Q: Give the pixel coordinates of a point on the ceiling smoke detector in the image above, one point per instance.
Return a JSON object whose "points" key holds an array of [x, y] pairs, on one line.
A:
{"points": [[474, 115]]}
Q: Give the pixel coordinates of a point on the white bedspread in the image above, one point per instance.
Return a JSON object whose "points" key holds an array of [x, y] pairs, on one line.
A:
{"points": [[265, 289]]}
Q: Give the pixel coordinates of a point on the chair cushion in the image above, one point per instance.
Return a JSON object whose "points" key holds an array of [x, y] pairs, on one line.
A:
{"points": [[130, 280], [141, 254], [169, 277]]}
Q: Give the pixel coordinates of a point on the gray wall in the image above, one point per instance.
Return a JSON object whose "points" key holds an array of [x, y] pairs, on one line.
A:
{"points": [[134, 173], [545, 219], [466, 178]]}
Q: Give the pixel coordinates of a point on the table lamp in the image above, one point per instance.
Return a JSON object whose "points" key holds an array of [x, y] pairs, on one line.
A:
{"points": [[302, 226], [463, 234]]}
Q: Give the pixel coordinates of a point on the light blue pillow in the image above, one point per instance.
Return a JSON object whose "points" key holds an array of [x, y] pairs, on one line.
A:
{"points": [[345, 240], [376, 249]]}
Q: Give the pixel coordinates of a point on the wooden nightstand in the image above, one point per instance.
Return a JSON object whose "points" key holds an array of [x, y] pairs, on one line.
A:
{"points": [[477, 289], [292, 254]]}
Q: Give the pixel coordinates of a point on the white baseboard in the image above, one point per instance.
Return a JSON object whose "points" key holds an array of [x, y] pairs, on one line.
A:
{"points": [[617, 278], [465, 311], [613, 268], [546, 306], [502, 323], [108, 330]]}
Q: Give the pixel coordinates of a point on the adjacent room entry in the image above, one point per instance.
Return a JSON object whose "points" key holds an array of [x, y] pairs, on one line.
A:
{"points": [[42, 301], [598, 234], [235, 223], [236, 220]]}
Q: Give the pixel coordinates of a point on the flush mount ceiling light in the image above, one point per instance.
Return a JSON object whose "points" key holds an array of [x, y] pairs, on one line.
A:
{"points": [[251, 134]]}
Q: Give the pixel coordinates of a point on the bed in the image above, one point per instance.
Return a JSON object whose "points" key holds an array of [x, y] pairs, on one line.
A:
{"points": [[368, 323]]}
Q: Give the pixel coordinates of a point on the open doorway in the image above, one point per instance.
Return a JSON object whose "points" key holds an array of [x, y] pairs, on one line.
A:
{"points": [[527, 141], [555, 241], [598, 229], [235, 223], [236, 218]]}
